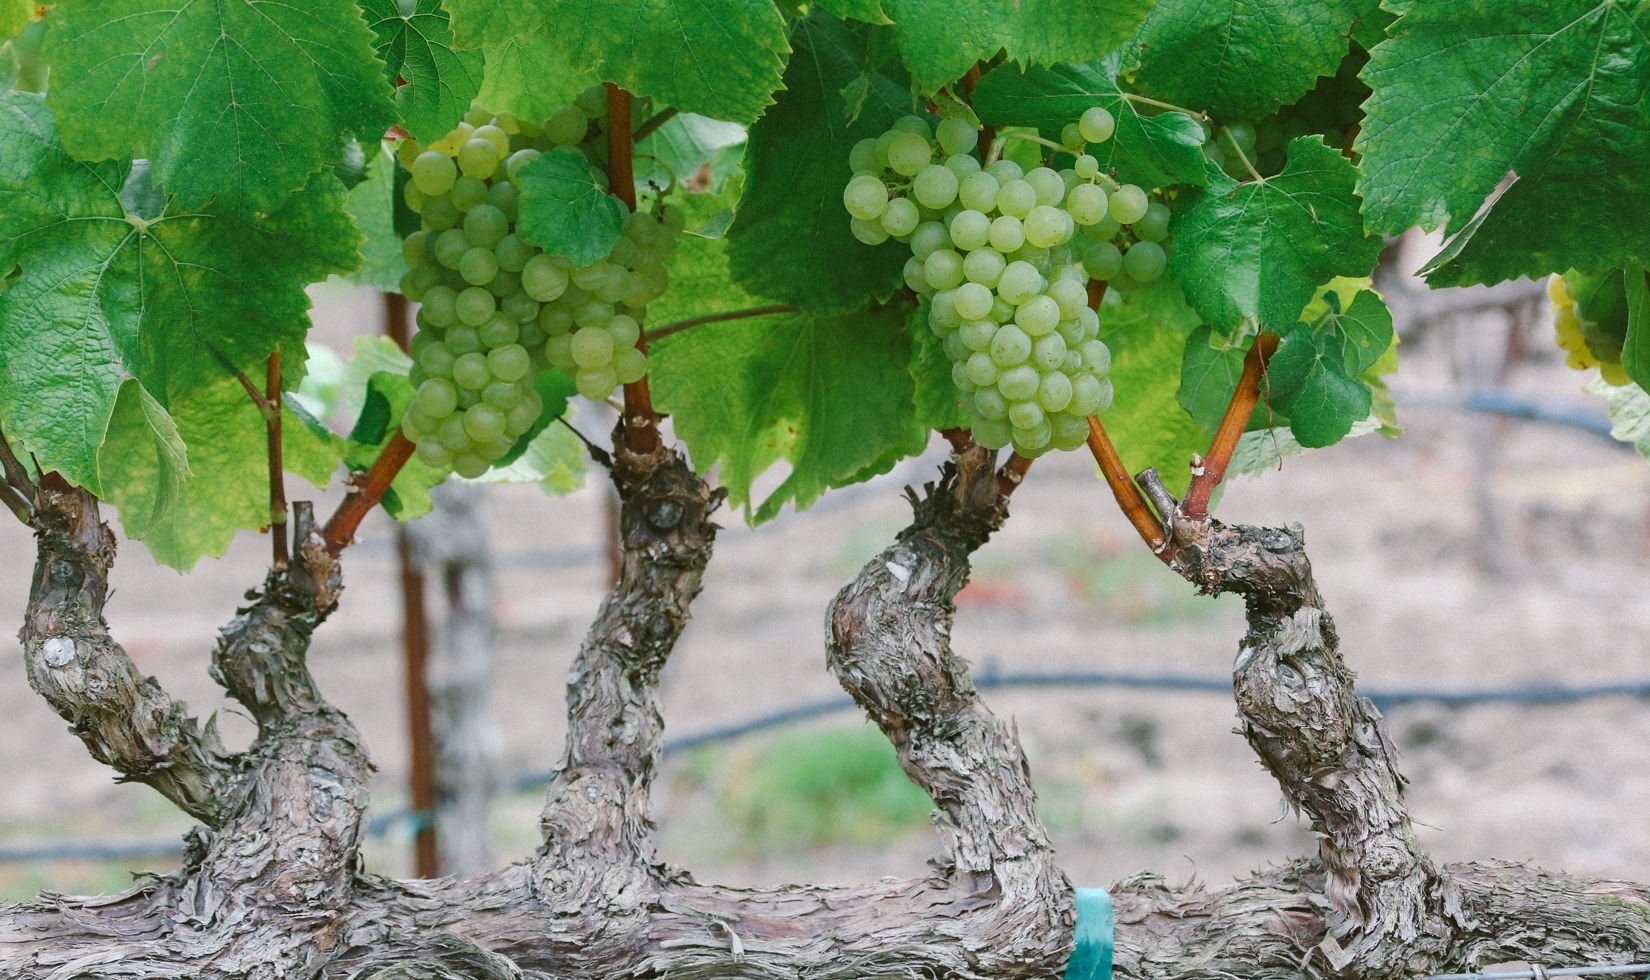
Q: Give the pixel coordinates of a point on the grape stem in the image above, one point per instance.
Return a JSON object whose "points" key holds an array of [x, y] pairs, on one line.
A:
{"points": [[1012, 474], [681, 325], [1232, 141], [1129, 498], [648, 128], [641, 426], [674, 180], [1208, 471], [1147, 100], [16, 489], [365, 491], [277, 467]]}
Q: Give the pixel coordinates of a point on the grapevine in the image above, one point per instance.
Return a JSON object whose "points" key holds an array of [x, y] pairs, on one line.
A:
{"points": [[496, 310], [1004, 257]]}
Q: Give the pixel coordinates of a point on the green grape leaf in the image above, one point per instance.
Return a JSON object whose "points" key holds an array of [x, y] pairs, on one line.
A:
{"points": [[940, 40], [1629, 407], [723, 59], [141, 430], [938, 402], [105, 295], [1209, 373], [372, 204], [1256, 252], [1309, 382], [14, 16], [242, 100], [417, 47], [869, 11], [1242, 59], [227, 489], [792, 212], [1562, 101], [1635, 352], [1147, 331], [1360, 334], [1151, 150], [832, 396], [564, 211], [826, 394], [527, 77], [682, 145]]}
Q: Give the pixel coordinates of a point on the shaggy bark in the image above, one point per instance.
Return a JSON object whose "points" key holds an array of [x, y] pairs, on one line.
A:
{"points": [[271, 887]]}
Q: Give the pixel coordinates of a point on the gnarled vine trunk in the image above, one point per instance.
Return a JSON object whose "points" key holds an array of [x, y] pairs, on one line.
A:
{"points": [[271, 885]]}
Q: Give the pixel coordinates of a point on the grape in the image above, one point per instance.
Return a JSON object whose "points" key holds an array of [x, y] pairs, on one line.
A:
{"points": [[1010, 346], [977, 334], [1047, 184], [991, 433], [900, 218], [978, 192], [434, 455], [912, 124], [1096, 357], [475, 306], [1087, 204], [513, 252], [865, 197], [943, 269], [483, 423], [984, 266], [469, 465], [1016, 198], [509, 363], [1070, 296], [1032, 441], [1128, 204], [1048, 352], [1018, 383], [972, 301], [1007, 234], [504, 196], [970, 230], [989, 402], [566, 126], [1054, 391], [629, 365], [1005, 170], [494, 135], [543, 278], [440, 306], [520, 417], [869, 232], [1086, 395], [478, 158], [863, 157], [478, 266], [436, 397], [1019, 282], [468, 192], [592, 347], [1102, 260], [1071, 136], [912, 274], [596, 383], [935, 187], [1086, 166], [502, 395], [955, 136], [1096, 125], [439, 214], [517, 160], [485, 225], [433, 173], [470, 371], [625, 331], [437, 362], [450, 247], [1045, 226], [1037, 316], [929, 237], [1144, 261], [1153, 226], [908, 153], [414, 247], [1025, 415]]}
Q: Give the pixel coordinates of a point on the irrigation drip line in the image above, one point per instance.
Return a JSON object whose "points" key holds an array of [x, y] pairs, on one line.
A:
{"points": [[989, 677]]}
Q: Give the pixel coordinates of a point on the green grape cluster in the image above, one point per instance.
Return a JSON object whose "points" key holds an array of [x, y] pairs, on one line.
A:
{"points": [[1004, 257], [495, 310]]}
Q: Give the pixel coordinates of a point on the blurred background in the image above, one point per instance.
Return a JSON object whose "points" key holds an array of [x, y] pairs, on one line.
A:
{"points": [[1481, 553]]}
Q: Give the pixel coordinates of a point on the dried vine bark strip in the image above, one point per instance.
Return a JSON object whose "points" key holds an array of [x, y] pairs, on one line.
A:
{"points": [[598, 806], [126, 720]]}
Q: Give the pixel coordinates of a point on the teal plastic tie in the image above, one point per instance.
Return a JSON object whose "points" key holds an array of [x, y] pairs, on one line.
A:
{"points": [[1091, 960]]}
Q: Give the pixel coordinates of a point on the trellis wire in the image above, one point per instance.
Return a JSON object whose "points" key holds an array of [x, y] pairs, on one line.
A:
{"points": [[1540, 973]]}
